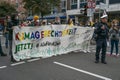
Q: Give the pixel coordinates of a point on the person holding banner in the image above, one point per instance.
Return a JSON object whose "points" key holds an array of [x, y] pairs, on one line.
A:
{"points": [[70, 22], [101, 39], [1, 33], [57, 20], [44, 22], [12, 21]]}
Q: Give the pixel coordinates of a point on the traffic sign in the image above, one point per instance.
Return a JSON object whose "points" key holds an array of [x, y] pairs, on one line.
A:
{"points": [[91, 3]]}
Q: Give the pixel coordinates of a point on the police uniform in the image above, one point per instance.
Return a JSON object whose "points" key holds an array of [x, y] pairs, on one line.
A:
{"points": [[101, 41]]}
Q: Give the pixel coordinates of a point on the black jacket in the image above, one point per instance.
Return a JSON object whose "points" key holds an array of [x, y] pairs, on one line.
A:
{"points": [[102, 34], [9, 28]]}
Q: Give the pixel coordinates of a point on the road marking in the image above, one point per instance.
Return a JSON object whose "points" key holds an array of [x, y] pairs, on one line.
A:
{"points": [[3, 67], [83, 71], [33, 60], [14, 64]]}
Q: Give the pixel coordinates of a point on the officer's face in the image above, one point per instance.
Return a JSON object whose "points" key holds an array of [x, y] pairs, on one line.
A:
{"points": [[104, 20]]}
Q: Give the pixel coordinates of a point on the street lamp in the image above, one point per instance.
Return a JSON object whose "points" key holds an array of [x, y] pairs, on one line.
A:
{"points": [[99, 10]]}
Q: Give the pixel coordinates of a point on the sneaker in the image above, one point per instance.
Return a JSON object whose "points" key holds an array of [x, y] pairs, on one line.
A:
{"points": [[85, 51], [89, 51], [117, 55], [2, 54], [104, 62], [96, 61], [12, 59], [110, 54]]}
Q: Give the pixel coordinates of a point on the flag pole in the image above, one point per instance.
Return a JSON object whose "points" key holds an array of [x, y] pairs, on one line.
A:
{"points": [[99, 11]]}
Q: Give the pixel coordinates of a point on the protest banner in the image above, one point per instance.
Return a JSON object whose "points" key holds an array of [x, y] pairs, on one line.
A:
{"points": [[47, 41]]}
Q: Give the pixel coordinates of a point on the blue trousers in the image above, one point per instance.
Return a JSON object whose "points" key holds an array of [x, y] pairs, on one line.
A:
{"points": [[6, 40], [114, 42]]}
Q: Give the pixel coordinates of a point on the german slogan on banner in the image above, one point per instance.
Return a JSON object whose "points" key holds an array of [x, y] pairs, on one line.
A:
{"points": [[48, 41]]}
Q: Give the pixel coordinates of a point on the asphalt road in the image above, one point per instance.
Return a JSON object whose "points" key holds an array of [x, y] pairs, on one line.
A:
{"points": [[71, 66]]}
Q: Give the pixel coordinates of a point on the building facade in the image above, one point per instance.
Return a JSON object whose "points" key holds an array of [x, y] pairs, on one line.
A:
{"points": [[76, 6], [75, 9]]}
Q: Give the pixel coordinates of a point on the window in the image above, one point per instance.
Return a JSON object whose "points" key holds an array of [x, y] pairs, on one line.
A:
{"points": [[98, 1], [63, 4], [114, 1], [82, 0], [73, 4], [75, 1], [83, 3], [63, 10]]}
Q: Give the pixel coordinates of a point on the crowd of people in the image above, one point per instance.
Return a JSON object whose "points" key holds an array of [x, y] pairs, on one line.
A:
{"points": [[10, 22], [102, 34]]}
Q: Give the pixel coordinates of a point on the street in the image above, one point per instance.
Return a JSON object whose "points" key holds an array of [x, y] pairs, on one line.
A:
{"points": [[51, 39], [71, 66]]}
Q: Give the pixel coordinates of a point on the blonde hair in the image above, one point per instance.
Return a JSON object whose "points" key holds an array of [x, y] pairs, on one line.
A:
{"points": [[114, 21]]}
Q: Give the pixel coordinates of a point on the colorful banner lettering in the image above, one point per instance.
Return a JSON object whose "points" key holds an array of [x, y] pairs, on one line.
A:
{"points": [[47, 41]]}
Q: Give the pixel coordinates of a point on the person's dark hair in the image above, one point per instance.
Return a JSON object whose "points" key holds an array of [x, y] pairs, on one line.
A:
{"points": [[7, 17], [68, 21], [13, 16]]}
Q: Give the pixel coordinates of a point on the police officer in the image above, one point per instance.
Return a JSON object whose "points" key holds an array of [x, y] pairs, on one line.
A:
{"points": [[101, 39]]}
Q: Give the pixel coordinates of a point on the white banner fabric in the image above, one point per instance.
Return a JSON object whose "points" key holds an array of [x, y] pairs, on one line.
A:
{"points": [[47, 41]]}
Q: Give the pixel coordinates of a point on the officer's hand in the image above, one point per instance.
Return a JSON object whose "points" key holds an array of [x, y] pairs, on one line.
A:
{"points": [[115, 28], [103, 27]]}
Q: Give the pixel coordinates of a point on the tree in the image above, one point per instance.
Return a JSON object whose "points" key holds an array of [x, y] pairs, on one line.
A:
{"points": [[6, 9], [41, 6]]}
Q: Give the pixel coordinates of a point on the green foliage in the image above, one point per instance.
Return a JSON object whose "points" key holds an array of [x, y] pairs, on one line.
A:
{"points": [[41, 6], [6, 9]]}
